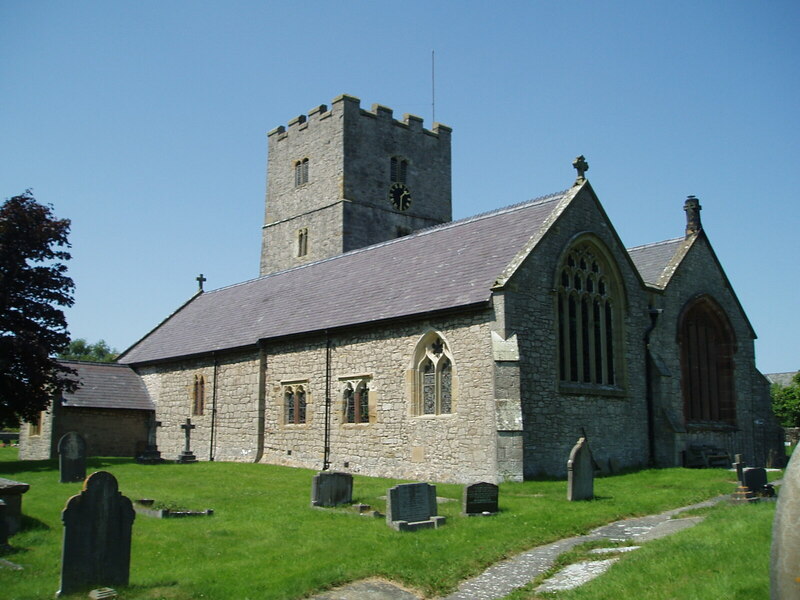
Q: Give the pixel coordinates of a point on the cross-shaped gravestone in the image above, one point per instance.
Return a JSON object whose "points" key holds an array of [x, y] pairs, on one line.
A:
{"points": [[187, 456], [581, 166], [151, 455], [200, 281]]}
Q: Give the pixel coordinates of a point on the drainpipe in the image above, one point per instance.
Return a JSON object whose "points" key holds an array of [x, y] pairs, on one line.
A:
{"points": [[327, 449], [213, 409], [262, 399], [648, 375]]}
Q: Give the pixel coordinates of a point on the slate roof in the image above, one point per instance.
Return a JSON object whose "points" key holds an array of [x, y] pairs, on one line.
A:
{"points": [[449, 266], [107, 385], [783, 379], [652, 260]]}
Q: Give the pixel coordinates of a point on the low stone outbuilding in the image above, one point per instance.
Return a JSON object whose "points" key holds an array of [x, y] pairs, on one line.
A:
{"points": [[109, 410]]}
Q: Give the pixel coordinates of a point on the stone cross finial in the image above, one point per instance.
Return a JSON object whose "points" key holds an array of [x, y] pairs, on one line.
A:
{"points": [[200, 281], [581, 166]]}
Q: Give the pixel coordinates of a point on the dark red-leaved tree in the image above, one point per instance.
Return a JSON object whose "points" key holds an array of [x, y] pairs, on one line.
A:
{"points": [[33, 284]]}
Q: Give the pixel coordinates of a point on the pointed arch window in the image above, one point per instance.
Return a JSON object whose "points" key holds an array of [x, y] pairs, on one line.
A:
{"points": [[433, 377], [199, 396], [300, 172], [356, 402], [398, 169], [588, 302], [707, 345], [302, 241], [294, 404]]}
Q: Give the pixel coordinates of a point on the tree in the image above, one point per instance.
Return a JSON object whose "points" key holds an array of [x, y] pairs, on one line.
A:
{"points": [[80, 349], [786, 402], [33, 284]]}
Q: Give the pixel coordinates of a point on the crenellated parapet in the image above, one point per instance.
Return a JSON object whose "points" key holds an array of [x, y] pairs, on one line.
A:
{"points": [[345, 106]]}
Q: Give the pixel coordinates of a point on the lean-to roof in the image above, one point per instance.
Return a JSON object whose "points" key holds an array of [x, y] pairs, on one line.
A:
{"points": [[449, 266], [106, 385]]}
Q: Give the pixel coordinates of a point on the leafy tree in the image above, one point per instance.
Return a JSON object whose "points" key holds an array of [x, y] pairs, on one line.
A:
{"points": [[786, 402], [80, 349], [33, 284]]}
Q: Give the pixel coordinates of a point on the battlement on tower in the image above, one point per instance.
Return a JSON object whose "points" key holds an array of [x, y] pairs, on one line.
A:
{"points": [[346, 106]]}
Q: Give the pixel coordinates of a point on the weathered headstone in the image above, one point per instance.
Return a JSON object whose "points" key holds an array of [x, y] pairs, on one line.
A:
{"points": [[739, 466], [784, 572], [72, 457], [412, 506], [151, 455], [480, 498], [97, 536], [580, 472], [331, 488], [11, 493], [755, 479], [3, 525], [187, 456]]}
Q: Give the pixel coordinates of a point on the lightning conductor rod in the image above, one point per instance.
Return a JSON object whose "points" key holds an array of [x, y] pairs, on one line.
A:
{"points": [[433, 88]]}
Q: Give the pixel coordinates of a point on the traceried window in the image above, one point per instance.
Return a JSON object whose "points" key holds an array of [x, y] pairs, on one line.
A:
{"points": [[356, 402], [294, 404], [199, 395], [302, 241], [707, 347], [588, 301], [398, 169], [434, 377], [301, 172]]}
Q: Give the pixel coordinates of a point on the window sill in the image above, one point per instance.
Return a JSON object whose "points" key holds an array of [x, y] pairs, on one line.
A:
{"points": [[711, 426], [436, 416], [589, 389]]}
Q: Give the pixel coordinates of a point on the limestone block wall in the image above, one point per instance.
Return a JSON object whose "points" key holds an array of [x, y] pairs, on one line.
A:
{"points": [[231, 384], [756, 430], [614, 421], [457, 447], [39, 446], [108, 432]]}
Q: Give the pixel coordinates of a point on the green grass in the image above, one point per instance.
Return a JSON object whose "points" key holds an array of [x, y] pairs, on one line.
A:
{"points": [[725, 556], [264, 541]]}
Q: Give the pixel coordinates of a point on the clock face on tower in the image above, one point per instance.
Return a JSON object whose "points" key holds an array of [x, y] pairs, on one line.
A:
{"points": [[399, 196]]}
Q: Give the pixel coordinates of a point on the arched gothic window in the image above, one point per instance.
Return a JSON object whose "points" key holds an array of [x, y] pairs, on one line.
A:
{"points": [[301, 172], [199, 395], [398, 169], [356, 403], [707, 347], [294, 404], [588, 303], [434, 377]]}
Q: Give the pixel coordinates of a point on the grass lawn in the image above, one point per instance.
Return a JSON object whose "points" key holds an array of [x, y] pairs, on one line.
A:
{"points": [[264, 541]]}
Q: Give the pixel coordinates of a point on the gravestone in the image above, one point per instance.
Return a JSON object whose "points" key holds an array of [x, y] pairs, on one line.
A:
{"points": [[738, 465], [480, 499], [784, 571], [3, 526], [187, 456], [580, 472], [412, 506], [151, 455], [97, 536], [72, 457], [331, 488], [11, 493], [755, 479]]}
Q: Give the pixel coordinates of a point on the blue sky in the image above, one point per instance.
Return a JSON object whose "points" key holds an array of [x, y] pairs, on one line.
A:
{"points": [[145, 124]]}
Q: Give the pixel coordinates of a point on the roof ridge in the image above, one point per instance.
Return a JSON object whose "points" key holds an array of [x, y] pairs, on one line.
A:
{"points": [[73, 361], [651, 244], [417, 233]]}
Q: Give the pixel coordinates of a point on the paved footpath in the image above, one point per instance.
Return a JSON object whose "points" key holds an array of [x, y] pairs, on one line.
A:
{"points": [[502, 578]]}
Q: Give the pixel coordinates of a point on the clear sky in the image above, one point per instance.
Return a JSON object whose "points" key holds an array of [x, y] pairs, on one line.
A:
{"points": [[145, 124]]}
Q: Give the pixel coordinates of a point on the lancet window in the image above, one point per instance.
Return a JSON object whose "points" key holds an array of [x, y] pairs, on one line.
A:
{"points": [[398, 169], [588, 302], [302, 241], [301, 172], [356, 402], [198, 395], [294, 404], [434, 377]]}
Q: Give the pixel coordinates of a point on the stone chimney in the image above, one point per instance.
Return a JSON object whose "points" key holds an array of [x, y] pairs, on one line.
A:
{"points": [[692, 208]]}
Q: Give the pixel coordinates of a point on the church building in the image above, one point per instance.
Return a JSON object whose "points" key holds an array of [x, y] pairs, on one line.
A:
{"points": [[383, 338]]}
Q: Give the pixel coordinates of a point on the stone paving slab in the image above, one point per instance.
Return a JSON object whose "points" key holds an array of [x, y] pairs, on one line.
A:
{"points": [[575, 575], [371, 589]]}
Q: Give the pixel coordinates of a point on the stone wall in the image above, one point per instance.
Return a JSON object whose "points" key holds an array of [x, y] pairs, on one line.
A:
{"points": [[755, 431], [614, 420], [37, 447], [108, 432]]}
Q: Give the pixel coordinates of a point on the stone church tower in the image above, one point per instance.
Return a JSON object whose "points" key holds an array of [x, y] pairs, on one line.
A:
{"points": [[344, 178]]}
